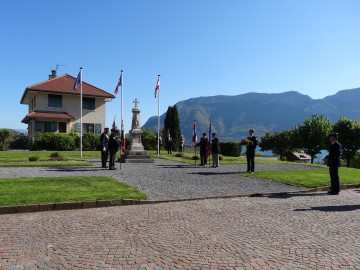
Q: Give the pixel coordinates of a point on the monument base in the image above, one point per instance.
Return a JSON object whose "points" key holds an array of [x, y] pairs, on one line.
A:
{"points": [[131, 156]]}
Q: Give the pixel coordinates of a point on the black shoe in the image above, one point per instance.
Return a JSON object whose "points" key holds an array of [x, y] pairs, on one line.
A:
{"points": [[112, 168], [104, 166], [332, 193]]}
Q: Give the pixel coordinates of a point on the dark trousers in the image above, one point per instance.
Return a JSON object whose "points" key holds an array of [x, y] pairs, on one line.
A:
{"points": [[250, 158], [112, 160], [203, 157], [169, 150], [335, 179], [104, 157]]}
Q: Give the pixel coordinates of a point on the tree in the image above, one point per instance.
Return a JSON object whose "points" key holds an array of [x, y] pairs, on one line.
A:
{"points": [[4, 139], [148, 139], [349, 137], [312, 135], [172, 125], [278, 143]]}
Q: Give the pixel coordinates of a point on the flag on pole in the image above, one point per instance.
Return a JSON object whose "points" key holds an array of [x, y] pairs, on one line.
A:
{"points": [[77, 81], [208, 147], [119, 84], [194, 137], [122, 137], [113, 124], [157, 87]]}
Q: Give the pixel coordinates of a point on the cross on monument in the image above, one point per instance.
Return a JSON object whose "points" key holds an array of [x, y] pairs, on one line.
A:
{"points": [[136, 101]]}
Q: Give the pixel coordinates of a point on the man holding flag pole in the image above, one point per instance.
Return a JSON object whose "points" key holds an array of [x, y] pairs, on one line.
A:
{"points": [[77, 82], [157, 93], [120, 83], [194, 138]]}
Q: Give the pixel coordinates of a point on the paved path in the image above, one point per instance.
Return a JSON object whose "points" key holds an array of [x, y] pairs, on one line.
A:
{"points": [[307, 231], [294, 231], [166, 180]]}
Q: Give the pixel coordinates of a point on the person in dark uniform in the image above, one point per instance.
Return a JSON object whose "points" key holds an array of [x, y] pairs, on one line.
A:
{"points": [[104, 140], [334, 162], [215, 149], [250, 151], [169, 143], [113, 148], [203, 144]]}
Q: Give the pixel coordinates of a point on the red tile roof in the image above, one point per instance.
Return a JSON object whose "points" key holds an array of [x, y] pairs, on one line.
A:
{"points": [[64, 84], [43, 114]]}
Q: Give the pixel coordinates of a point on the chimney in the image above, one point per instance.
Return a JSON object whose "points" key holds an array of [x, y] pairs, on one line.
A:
{"points": [[52, 75]]}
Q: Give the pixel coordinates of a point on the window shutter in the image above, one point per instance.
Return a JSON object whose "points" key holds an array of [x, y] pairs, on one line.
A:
{"points": [[77, 127], [54, 126], [37, 126], [97, 128]]}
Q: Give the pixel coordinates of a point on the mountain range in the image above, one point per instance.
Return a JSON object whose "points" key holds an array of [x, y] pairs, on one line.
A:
{"points": [[232, 116]]}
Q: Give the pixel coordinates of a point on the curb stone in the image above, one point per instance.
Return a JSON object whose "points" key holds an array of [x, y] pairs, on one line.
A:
{"points": [[125, 202]]}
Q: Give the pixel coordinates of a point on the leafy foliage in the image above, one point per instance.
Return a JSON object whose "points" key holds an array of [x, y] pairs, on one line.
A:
{"points": [[172, 125], [148, 139], [232, 149]]}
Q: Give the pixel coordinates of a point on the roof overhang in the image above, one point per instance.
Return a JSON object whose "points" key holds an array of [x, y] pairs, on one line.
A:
{"points": [[47, 115]]}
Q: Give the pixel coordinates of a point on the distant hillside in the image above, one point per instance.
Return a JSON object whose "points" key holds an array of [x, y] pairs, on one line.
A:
{"points": [[232, 116]]}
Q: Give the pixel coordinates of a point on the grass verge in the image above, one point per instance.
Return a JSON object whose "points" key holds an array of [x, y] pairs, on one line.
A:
{"points": [[40, 190], [309, 178]]}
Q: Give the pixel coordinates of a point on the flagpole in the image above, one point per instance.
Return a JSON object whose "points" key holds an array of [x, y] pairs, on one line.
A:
{"points": [[121, 116], [158, 128], [81, 101]]}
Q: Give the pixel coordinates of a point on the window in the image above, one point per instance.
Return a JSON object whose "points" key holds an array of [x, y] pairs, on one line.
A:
{"points": [[88, 103], [89, 128], [55, 101]]}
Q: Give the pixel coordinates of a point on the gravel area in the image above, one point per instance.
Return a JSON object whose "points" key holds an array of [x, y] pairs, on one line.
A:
{"points": [[167, 180]]}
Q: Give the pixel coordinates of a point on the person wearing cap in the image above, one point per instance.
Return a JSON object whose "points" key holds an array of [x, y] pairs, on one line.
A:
{"points": [[250, 151], [334, 162], [203, 144], [113, 148], [104, 141], [215, 149]]}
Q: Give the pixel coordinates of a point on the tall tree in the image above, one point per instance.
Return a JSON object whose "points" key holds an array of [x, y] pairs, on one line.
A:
{"points": [[349, 137], [172, 125], [312, 135], [278, 143]]}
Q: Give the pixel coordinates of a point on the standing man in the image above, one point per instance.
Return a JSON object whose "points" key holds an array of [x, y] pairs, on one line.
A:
{"points": [[181, 144], [113, 148], [203, 144], [215, 149], [334, 162], [169, 143], [104, 141], [250, 151]]}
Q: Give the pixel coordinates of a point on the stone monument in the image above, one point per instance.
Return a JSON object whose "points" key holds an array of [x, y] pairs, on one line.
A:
{"points": [[136, 152]]}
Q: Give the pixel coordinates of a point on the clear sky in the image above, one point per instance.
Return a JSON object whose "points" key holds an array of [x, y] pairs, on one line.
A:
{"points": [[200, 48]]}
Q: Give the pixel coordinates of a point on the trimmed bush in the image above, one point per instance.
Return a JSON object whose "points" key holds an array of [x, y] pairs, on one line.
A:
{"points": [[91, 142], [33, 158], [232, 149], [54, 141]]}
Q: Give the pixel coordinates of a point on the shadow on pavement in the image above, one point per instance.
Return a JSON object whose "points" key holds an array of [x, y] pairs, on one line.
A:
{"points": [[213, 173], [337, 208], [290, 195], [76, 169]]}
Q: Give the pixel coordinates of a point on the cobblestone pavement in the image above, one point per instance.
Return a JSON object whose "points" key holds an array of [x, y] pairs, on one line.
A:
{"points": [[295, 231], [166, 180]]}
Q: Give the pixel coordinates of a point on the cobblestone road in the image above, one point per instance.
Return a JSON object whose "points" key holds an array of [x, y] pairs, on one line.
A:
{"points": [[304, 231]]}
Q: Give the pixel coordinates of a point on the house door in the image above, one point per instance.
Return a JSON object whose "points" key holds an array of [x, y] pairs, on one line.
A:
{"points": [[62, 127]]}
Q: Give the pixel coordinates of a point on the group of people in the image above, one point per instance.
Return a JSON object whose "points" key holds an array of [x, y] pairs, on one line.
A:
{"points": [[109, 147]]}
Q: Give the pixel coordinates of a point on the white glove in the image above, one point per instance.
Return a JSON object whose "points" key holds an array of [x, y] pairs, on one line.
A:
{"points": [[104, 148]]}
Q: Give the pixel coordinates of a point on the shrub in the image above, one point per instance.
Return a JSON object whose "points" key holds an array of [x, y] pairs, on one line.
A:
{"points": [[91, 142], [33, 158], [195, 158], [54, 141], [221, 157], [179, 155], [55, 154], [232, 149]]}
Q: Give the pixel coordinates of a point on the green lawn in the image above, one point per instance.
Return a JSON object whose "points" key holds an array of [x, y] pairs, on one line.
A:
{"points": [[21, 191], [309, 178], [21, 158]]}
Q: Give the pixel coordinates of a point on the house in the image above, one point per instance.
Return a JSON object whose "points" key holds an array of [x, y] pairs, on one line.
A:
{"points": [[298, 157], [55, 107]]}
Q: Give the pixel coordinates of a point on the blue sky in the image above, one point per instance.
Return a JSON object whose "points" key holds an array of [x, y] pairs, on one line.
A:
{"points": [[200, 48]]}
